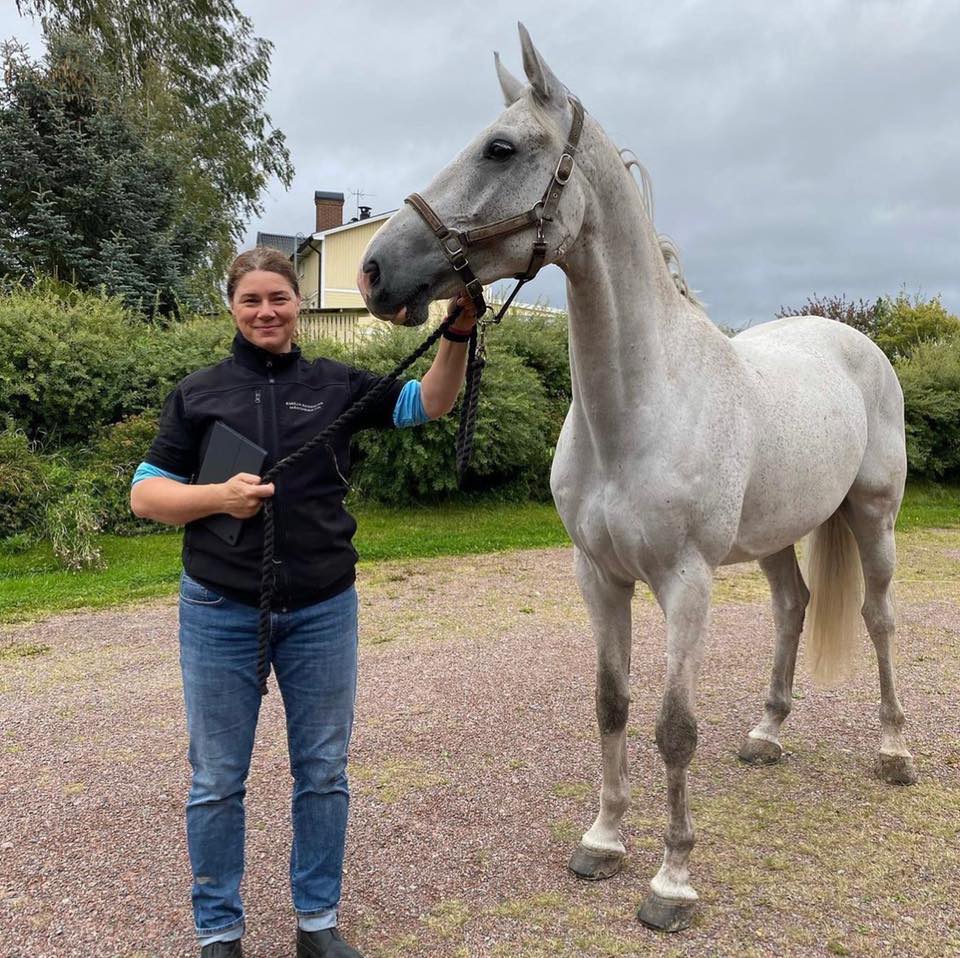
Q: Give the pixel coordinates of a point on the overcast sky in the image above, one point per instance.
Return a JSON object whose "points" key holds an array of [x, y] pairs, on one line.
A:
{"points": [[810, 147]]}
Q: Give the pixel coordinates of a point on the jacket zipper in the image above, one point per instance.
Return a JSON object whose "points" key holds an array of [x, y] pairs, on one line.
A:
{"points": [[258, 402], [279, 572]]}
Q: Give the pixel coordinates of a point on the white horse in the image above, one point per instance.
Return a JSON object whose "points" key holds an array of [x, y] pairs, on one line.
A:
{"points": [[682, 451]]}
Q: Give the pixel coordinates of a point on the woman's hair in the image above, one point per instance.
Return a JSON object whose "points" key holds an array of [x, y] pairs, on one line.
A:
{"points": [[261, 257]]}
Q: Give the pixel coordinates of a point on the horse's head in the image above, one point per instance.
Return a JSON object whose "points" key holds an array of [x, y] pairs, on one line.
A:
{"points": [[503, 172]]}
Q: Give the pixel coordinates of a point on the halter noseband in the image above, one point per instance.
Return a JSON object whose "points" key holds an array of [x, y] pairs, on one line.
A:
{"points": [[455, 243]]}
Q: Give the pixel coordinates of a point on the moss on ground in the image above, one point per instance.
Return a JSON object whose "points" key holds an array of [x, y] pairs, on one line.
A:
{"points": [[394, 779]]}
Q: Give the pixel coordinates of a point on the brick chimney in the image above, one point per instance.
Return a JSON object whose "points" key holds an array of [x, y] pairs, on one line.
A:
{"points": [[329, 210]]}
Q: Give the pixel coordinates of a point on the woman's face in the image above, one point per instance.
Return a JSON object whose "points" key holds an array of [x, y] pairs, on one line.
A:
{"points": [[265, 309]]}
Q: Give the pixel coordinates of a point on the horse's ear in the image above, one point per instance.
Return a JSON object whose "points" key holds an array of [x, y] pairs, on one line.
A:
{"points": [[512, 88], [546, 86]]}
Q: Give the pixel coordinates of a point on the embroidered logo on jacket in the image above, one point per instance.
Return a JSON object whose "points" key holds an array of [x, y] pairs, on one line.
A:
{"points": [[303, 407]]}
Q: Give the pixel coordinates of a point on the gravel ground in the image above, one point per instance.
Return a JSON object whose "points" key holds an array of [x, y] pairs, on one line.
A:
{"points": [[475, 768]]}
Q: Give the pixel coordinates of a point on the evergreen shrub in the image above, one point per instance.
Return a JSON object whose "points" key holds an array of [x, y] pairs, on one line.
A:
{"points": [[512, 446], [65, 359], [930, 379], [112, 461], [23, 483]]}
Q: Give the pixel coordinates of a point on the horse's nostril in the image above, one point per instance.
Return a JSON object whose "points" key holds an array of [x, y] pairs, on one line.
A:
{"points": [[372, 269]]}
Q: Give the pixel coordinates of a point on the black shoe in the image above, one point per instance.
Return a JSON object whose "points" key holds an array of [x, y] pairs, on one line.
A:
{"points": [[222, 949], [323, 944]]}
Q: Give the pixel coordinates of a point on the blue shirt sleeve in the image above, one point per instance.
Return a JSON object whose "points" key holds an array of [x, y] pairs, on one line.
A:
{"points": [[409, 409], [147, 471]]}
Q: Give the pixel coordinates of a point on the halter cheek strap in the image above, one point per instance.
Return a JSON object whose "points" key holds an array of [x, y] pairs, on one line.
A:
{"points": [[455, 244]]}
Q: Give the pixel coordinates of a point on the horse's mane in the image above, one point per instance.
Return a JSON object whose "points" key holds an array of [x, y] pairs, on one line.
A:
{"points": [[669, 250]]}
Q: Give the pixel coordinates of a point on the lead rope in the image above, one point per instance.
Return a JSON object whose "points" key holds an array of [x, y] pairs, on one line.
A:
{"points": [[324, 437], [476, 360]]}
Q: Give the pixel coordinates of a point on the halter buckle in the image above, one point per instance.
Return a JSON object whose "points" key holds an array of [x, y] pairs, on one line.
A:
{"points": [[564, 169], [453, 253], [474, 289]]}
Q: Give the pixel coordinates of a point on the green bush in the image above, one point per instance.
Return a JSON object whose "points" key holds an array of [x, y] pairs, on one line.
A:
{"points": [[165, 355], [542, 345], [23, 483], [930, 379], [904, 324], [512, 446], [72, 363], [64, 361], [113, 459]]}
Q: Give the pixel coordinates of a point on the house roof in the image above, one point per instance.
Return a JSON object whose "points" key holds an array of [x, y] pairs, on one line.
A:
{"points": [[311, 238], [281, 241]]}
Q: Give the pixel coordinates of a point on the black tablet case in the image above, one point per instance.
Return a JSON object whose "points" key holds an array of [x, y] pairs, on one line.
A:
{"points": [[227, 454]]}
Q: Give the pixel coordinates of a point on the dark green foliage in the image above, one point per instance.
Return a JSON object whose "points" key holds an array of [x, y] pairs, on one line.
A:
{"points": [[82, 381], [542, 344], [72, 363], [64, 362], [931, 391], [194, 76], [163, 356], [84, 195], [512, 447], [113, 459], [23, 483]]}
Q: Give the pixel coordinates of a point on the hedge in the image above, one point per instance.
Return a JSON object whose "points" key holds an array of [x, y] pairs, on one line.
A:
{"points": [[82, 381]]}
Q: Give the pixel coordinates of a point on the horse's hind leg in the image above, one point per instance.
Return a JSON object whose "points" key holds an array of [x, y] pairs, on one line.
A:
{"points": [[790, 597], [871, 519], [600, 853]]}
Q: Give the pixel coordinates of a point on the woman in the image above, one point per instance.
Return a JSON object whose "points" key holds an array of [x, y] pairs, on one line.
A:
{"points": [[270, 394]]}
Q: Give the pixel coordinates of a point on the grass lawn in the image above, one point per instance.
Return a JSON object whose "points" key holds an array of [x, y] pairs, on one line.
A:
{"points": [[145, 567]]}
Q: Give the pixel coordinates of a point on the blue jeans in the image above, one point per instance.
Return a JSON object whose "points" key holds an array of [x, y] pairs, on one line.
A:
{"points": [[313, 654]]}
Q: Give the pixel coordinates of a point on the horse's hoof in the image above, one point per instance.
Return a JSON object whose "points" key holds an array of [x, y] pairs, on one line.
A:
{"points": [[592, 865], [896, 769], [661, 914], [759, 751]]}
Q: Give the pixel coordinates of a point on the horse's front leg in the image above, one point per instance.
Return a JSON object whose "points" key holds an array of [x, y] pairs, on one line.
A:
{"points": [[600, 853], [684, 596]]}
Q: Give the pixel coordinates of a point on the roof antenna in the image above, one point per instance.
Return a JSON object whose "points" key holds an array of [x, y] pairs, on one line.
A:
{"points": [[363, 211]]}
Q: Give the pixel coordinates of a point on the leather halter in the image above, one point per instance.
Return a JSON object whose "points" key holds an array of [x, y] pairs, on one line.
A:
{"points": [[455, 243]]}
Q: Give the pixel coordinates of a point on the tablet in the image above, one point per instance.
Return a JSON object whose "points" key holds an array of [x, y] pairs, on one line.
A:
{"points": [[227, 454]]}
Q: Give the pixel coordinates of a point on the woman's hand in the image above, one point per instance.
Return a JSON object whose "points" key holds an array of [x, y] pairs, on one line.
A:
{"points": [[243, 495], [462, 307]]}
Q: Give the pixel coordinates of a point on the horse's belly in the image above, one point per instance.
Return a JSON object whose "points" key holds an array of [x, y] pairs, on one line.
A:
{"points": [[809, 447]]}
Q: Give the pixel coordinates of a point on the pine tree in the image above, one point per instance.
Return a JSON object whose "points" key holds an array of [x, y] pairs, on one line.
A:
{"points": [[84, 196]]}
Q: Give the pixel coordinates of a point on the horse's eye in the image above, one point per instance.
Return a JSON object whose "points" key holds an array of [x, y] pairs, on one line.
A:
{"points": [[499, 150]]}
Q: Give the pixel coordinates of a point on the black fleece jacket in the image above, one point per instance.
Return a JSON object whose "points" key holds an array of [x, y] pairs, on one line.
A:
{"points": [[279, 402]]}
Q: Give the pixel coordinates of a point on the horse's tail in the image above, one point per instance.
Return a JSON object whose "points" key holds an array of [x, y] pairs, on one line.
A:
{"points": [[835, 579]]}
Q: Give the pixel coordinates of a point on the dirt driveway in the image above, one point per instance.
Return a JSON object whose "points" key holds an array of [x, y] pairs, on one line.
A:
{"points": [[475, 768]]}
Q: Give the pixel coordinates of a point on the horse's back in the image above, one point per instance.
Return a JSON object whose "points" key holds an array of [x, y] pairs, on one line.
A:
{"points": [[801, 350]]}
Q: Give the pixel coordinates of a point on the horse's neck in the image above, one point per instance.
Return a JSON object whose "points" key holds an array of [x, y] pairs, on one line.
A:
{"points": [[630, 329]]}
